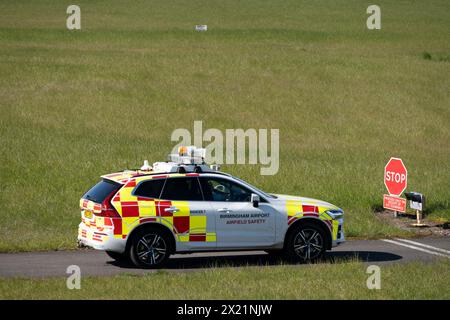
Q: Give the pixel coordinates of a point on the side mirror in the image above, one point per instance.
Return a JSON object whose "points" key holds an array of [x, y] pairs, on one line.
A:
{"points": [[255, 200]]}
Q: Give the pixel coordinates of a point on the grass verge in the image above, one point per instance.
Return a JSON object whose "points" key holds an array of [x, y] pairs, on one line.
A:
{"points": [[345, 280], [78, 104]]}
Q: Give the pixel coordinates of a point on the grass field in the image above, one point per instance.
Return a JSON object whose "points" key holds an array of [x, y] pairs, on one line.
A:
{"points": [[78, 104], [336, 281]]}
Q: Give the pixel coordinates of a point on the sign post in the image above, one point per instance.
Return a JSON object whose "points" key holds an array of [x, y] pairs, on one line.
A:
{"points": [[395, 180]]}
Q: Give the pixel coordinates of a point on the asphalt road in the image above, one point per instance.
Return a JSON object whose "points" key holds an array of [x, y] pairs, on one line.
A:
{"points": [[97, 263]]}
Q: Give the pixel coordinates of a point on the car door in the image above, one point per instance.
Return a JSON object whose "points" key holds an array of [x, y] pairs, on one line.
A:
{"points": [[183, 206], [238, 223]]}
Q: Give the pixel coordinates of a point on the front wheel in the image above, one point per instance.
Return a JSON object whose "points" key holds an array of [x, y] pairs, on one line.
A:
{"points": [[150, 248], [306, 243]]}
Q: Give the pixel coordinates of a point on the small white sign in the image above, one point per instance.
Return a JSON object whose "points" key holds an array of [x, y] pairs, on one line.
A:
{"points": [[201, 27], [415, 205]]}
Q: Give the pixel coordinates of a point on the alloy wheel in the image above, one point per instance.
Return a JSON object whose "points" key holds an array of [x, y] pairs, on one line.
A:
{"points": [[308, 244], [151, 249]]}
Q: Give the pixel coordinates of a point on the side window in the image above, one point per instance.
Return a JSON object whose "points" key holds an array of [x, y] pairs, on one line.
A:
{"points": [[217, 189], [182, 189], [150, 188]]}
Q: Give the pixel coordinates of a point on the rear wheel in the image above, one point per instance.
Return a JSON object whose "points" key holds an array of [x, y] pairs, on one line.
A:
{"points": [[150, 248], [306, 242], [122, 257]]}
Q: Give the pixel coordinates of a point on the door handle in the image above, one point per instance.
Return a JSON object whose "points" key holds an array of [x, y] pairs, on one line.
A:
{"points": [[171, 209], [224, 210]]}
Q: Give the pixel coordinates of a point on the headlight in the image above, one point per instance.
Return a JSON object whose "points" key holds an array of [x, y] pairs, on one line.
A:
{"points": [[335, 213]]}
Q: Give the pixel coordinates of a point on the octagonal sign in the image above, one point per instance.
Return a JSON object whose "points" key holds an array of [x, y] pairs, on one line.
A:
{"points": [[395, 176]]}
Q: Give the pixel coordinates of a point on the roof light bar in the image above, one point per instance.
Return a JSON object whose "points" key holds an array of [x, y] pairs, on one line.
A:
{"points": [[189, 155]]}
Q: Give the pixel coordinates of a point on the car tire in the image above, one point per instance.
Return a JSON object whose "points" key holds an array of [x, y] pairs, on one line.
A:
{"points": [[306, 242], [150, 248], [121, 257]]}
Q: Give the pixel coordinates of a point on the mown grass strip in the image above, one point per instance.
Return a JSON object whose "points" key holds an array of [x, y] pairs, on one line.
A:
{"points": [[346, 280]]}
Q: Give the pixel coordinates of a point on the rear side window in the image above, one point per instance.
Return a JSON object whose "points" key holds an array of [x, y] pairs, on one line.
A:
{"points": [[149, 189], [182, 189], [101, 190]]}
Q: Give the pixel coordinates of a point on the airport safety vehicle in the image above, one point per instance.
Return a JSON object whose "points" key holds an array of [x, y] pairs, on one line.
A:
{"points": [[184, 205]]}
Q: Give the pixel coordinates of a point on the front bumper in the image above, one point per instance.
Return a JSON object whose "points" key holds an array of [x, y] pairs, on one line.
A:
{"points": [[103, 240], [340, 237]]}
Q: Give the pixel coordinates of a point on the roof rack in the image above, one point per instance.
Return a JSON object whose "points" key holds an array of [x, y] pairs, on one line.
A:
{"points": [[172, 167], [188, 160]]}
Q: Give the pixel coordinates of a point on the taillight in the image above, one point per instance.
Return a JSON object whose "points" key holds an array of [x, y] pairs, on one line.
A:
{"points": [[107, 208]]}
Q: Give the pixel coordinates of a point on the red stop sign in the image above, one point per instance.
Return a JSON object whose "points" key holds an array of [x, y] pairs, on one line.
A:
{"points": [[395, 176]]}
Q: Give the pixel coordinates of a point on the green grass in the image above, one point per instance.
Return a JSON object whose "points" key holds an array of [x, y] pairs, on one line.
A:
{"points": [[320, 281], [75, 105]]}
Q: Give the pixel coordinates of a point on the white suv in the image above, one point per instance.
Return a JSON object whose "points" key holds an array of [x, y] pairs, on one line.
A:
{"points": [[146, 215]]}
